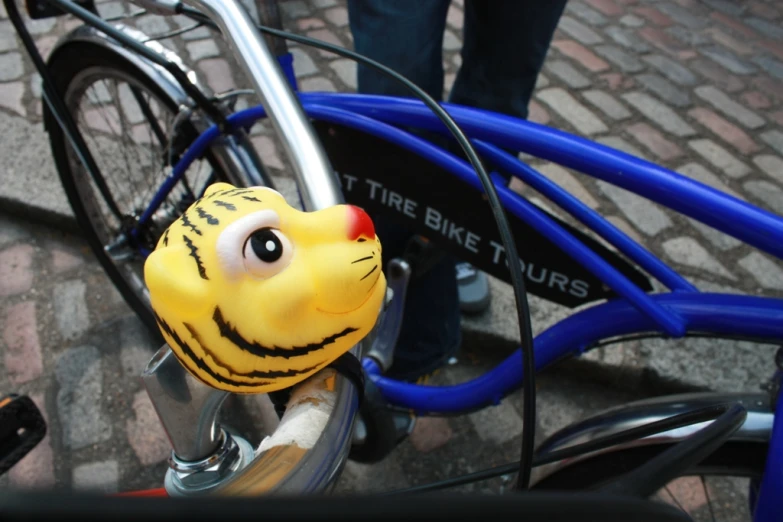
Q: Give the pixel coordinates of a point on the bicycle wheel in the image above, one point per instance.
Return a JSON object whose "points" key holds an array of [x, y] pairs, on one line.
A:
{"points": [[126, 119], [720, 487]]}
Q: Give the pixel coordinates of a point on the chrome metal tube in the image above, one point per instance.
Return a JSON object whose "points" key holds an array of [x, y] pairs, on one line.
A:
{"points": [[316, 179]]}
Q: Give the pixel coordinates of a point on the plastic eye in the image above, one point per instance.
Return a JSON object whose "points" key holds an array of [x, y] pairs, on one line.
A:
{"points": [[266, 252]]}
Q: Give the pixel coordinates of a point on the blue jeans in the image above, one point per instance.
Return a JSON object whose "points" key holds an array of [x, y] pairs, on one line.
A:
{"points": [[505, 43]]}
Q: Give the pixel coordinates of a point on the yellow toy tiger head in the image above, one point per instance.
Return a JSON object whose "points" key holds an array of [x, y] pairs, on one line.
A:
{"points": [[254, 296]]}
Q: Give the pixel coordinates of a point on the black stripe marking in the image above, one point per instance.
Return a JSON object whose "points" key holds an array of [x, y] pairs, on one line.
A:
{"points": [[186, 221], [251, 198], [166, 237], [203, 214], [229, 332], [362, 259], [227, 206], [199, 362], [368, 273], [270, 374], [194, 254], [239, 192]]}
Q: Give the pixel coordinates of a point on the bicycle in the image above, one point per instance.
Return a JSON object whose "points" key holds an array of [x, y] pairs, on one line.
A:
{"points": [[373, 121]]}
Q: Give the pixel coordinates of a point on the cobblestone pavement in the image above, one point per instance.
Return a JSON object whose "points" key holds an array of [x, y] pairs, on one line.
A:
{"points": [[695, 85]]}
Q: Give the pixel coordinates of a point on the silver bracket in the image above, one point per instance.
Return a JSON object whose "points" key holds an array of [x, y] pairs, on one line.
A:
{"points": [[398, 274]]}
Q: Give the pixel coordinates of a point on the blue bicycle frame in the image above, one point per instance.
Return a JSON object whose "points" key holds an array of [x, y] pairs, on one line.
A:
{"points": [[681, 311]]}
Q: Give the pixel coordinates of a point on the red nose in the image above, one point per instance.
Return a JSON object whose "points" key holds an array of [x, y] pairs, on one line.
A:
{"points": [[359, 224]]}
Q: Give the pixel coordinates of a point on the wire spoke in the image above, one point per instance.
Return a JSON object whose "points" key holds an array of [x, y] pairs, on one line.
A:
{"points": [[707, 495]]}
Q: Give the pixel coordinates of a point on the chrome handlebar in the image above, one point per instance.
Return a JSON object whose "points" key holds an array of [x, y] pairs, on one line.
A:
{"points": [[187, 408]]}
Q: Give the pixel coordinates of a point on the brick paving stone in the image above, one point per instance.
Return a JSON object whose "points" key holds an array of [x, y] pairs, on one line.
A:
{"points": [[317, 84], [687, 251], [568, 74], [303, 64], [36, 469], [727, 131], [626, 62], [321, 4], [608, 104], [8, 40], [11, 66], [766, 272], [537, 114], [664, 89], [295, 8], [755, 100], [671, 69], [581, 54], [579, 31], [621, 145], [268, 152], [771, 87], [632, 21], [218, 74], [586, 13], [607, 7], [722, 102], [653, 15], [722, 159], [625, 227], [662, 40], [660, 114], [98, 477], [41, 26], [644, 214], [718, 239], [152, 25], [450, 41], [430, 433], [70, 308], [727, 7], [765, 191], [202, 49], [16, 270], [582, 118], [305, 24], [198, 33], [497, 424], [455, 17], [697, 172], [728, 60], [346, 71], [777, 116], [766, 11], [11, 95], [654, 141], [568, 181], [23, 360], [772, 165], [327, 36], [683, 16], [769, 29], [145, 432], [627, 39], [774, 138], [63, 261], [337, 15], [735, 25], [770, 65], [10, 231], [726, 40], [717, 75], [78, 372]]}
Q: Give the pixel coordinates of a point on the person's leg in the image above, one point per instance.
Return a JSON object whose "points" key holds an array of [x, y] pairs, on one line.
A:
{"points": [[505, 43], [407, 36]]}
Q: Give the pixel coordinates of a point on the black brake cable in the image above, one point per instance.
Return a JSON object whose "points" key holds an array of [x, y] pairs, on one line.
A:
{"points": [[514, 263]]}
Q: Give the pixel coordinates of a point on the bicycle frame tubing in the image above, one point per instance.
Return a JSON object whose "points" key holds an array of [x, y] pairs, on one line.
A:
{"points": [[689, 310]]}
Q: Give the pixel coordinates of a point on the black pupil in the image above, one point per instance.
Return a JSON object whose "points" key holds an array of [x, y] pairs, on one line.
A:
{"points": [[266, 245]]}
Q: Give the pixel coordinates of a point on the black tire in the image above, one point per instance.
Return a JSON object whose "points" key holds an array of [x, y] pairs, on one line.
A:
{"points": [[735, 459], [69, 65]]}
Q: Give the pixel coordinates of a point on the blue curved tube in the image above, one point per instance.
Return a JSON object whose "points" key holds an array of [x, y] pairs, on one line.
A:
{"points": [[726, 314], [750, 224], [586, 215]]}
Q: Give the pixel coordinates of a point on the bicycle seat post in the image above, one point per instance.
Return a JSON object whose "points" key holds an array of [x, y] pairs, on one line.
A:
{"points": [[203, 455]]}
